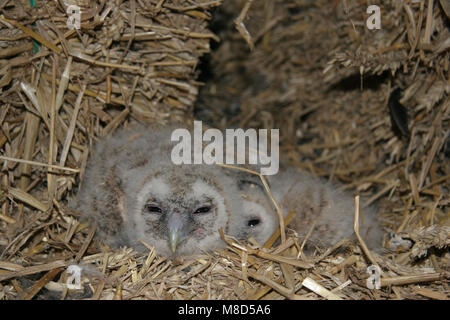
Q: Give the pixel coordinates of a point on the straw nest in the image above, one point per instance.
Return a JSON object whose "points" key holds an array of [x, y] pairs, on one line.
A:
{"points": [[312, 69]]}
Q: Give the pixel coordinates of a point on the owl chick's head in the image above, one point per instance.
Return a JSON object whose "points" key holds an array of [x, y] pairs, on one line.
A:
{"points": [[257, 218], [179, 210]]}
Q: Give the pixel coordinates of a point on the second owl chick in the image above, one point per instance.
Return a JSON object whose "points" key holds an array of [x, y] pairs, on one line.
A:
{"points": [[135, 192], [315, 201]]}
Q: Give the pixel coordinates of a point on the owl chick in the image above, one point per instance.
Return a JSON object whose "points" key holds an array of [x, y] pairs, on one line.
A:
{"points": [[135, 192], [257, 217], [315, 201]]}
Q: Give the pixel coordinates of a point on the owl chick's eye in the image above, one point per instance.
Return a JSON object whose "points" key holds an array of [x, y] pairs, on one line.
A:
{"points": [[202, 210], [152, 208], [249, 184], [253, 222]]}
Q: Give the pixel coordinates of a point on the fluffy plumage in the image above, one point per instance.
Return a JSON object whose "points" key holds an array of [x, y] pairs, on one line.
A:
{"points": [[315, 201], [134, 192]]}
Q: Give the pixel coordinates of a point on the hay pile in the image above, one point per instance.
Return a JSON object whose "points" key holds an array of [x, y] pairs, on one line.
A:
{"points": [[315, 71]]}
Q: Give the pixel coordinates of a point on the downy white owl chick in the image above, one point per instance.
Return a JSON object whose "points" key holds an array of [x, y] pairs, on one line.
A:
{"points": [[314, 201], [257, 218], [135, 192]]}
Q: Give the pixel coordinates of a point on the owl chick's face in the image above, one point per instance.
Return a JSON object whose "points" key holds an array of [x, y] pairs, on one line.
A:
{"points": [[258, 222], [257, 218], [179, 219]]}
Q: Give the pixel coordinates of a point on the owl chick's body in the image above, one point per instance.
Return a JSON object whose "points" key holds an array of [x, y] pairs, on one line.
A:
{"points": [[135, 192], [315, 201]]}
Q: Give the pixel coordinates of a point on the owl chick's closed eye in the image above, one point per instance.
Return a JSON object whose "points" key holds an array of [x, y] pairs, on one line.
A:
{"points": [[135, 192]]}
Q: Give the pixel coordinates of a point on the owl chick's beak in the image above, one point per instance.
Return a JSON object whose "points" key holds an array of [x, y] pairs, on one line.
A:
{"points": [[176, 227], [174, 239]]}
